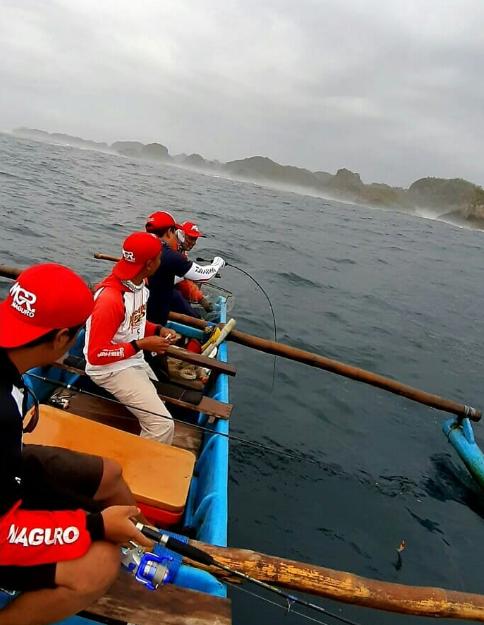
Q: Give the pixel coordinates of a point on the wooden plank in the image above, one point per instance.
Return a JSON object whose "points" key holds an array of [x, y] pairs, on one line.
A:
{"points": [[201, 361], [157, 474], [128, 601], [207, 405], [103, 411]]}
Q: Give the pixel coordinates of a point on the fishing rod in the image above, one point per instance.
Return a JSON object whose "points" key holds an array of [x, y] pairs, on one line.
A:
{"points": [[234, 437], [203, 260], [202, 557]]}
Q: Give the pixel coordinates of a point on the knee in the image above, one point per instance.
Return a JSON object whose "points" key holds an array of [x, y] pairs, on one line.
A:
{"points": [[111, 478], [100, 570], [112, 470]]}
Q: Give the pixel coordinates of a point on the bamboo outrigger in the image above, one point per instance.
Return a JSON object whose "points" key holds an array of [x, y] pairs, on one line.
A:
{"points": [[197, 596]]}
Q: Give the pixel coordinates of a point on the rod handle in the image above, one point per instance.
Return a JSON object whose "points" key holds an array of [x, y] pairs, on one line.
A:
{"points": [[176, 545]]}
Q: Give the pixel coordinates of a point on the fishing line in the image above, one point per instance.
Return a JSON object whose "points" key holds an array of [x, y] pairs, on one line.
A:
{"points": [[270, 306], [274, 603], [234, 437]]}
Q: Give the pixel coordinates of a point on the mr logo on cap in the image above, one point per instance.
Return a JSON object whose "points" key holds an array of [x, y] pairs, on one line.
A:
{"points": [[138, 248], [45, 297], [23, 300]]}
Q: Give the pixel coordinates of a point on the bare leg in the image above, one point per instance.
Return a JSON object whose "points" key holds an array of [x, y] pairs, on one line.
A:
{"points": [[80, 583]]}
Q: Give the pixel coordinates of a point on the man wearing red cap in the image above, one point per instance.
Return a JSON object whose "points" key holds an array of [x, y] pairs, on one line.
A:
{"points": [[174, 266], [187, 236], [61, 557], [117, 332]]}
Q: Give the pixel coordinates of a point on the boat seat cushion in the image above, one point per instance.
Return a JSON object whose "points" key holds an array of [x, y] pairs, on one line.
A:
{"points": [[159, 475]]}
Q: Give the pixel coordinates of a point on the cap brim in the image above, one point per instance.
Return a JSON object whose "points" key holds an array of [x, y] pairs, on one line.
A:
{"points": [[14, 332], [126, 271]]}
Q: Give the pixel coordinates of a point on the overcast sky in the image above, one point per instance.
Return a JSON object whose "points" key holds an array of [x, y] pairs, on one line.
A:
{"points": [[392, 89]]}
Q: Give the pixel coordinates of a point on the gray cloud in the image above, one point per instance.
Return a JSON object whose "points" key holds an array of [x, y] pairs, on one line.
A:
{"points": [[393, 90]]}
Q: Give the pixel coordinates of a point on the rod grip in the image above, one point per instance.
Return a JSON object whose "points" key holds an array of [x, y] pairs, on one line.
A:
{"points": [[189, 551], [176, 545], [149, 532]]}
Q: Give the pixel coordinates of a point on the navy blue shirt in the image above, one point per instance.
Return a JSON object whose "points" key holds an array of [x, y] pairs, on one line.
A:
{"points": [[162, 283]]}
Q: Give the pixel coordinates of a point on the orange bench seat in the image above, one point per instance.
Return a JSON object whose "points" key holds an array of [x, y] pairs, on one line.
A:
{"points": [[159, 475]]}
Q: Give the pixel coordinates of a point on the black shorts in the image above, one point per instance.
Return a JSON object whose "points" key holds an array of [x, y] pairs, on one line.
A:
{"points": [[53, 479]]}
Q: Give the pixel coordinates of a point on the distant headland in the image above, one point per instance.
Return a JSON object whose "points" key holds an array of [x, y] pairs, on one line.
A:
{"points": [[455, 200]]}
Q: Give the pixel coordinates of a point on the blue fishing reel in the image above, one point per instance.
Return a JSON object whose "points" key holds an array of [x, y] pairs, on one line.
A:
{"points": [[149, 569]]}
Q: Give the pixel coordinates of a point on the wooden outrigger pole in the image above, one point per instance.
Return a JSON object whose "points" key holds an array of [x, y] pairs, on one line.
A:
{"points": [[348, 371], [347, 587]]}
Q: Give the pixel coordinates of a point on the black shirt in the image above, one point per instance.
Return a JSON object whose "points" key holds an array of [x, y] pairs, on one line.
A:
{"points": [[162, 283], [11, 409]]}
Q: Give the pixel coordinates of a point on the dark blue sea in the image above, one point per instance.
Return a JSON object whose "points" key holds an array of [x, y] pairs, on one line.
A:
{"points": [[393, 293]]}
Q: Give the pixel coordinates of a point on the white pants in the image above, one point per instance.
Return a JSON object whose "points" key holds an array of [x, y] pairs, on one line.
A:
{"points": [[133, 387]]}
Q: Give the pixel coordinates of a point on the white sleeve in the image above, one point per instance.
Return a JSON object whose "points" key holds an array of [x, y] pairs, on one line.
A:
{"points": [[202, 273]]}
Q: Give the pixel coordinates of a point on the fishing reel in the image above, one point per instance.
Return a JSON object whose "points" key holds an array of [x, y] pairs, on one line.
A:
{"points": [[149, 569]]}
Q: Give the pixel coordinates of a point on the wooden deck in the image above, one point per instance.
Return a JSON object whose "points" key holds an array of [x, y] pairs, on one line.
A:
{"points": [[107, 412], [129, 602]]}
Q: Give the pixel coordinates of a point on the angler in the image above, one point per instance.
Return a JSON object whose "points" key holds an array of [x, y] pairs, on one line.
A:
{"points": [[174, 266]]}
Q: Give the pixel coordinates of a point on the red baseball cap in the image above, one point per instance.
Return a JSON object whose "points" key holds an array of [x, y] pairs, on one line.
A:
{"points": [[45, 297], [160, 221], [191, 229], [138, 248]]}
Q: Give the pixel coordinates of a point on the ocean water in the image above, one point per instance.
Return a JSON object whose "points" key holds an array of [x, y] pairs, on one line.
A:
{"points": [[396, 294]]}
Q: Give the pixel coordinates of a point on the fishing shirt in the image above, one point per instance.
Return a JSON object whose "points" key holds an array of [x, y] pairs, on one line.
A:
{"points": [[117, 320], [31, 537], [174, 266]]}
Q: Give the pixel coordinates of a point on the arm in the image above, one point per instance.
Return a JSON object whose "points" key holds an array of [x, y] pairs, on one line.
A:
{"points": [[31, 537], [103, 324], [200, 273], [190, 291], [152, 329]]}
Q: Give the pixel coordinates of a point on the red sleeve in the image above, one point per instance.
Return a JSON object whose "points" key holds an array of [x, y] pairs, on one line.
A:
{"points": [[151, 328], [107, 316], [31, 537], [190, 291]]}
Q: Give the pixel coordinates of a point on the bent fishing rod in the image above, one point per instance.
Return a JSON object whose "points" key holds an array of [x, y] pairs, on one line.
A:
{"points": [[315, 360]]}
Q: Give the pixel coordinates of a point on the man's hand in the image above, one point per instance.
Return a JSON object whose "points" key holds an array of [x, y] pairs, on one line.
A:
{"points": [[208, 306], [219, 262], [169, 335], [120, 529], [157, 344]]}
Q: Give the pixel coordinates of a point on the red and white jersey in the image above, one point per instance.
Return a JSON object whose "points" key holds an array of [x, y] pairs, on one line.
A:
{"points": [[118, 318]]}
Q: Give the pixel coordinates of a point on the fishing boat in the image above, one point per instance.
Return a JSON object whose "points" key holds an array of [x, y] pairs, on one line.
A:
{"points": [[191, 506], [192, 502]]}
